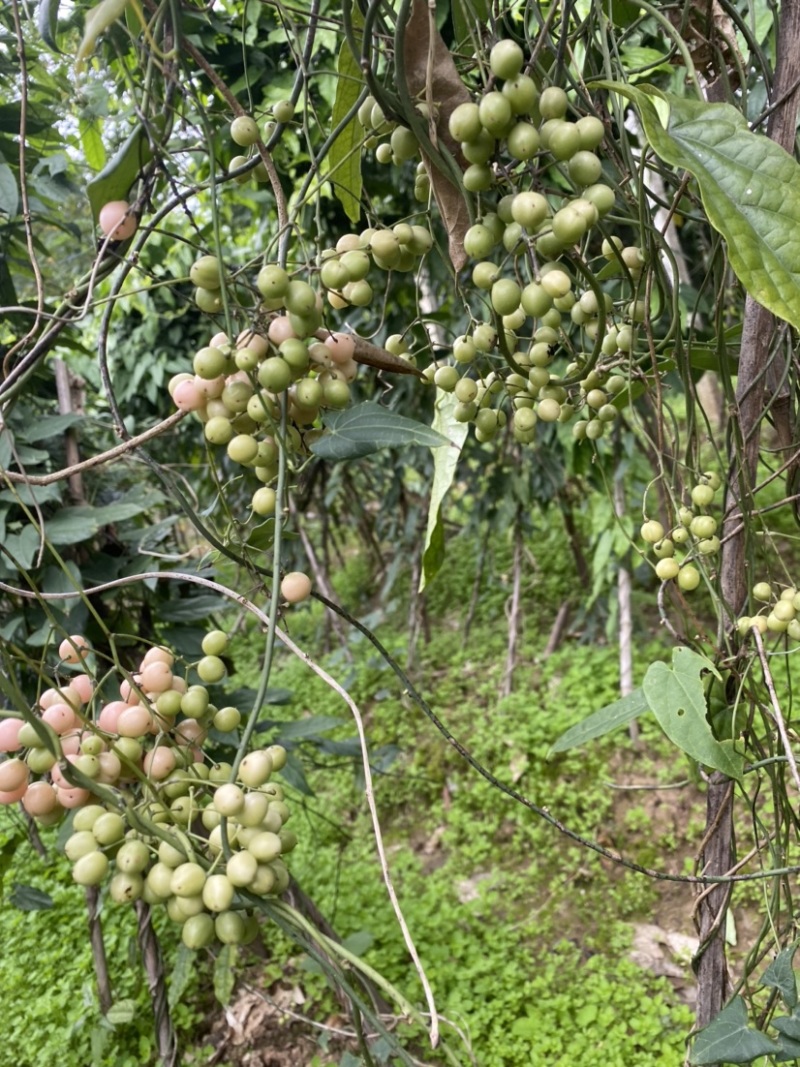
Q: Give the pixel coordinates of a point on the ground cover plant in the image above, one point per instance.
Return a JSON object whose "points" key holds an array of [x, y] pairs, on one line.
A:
{"points": [[421, 292]]}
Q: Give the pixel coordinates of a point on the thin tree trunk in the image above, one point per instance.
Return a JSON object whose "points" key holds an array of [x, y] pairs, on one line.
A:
{"points": [[625, 615], [156, 982], [513, 613], [104, 994], [753, 384]]}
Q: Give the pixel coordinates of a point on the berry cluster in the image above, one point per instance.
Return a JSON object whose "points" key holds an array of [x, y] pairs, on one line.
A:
{"points": [[694, 536], [162, 823]]}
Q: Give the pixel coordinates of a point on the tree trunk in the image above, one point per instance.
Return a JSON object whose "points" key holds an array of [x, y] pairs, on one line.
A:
{"points": [[752, 393]]}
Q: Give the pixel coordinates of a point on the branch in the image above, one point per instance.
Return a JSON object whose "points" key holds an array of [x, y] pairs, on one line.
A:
{"points": [[96, 461]]}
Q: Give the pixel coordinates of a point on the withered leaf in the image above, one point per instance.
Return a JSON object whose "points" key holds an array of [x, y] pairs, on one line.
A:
{"points": [[431, 76]]}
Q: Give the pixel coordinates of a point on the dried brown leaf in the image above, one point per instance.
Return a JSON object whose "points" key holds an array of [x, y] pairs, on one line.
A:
{"points": [[373, 356], [431, 76]]}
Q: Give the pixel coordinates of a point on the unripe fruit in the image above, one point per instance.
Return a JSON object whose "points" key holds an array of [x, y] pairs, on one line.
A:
{"points": [[702, 496], [667, 569], [198, 931], [688, 577], [228, 799], [652, 531], [244, 131], [553, 103], [762, 591], [217, 892], [495, 113], [90, 869], [206, 273], [255, 769], [230, 928], [506, 59]]}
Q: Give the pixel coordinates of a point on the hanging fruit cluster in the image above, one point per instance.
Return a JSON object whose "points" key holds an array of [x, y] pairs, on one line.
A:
{"points": [[151, 814]]}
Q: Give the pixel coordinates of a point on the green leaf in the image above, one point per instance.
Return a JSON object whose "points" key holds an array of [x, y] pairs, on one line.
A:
{"points": [[189, 609], [344, 166], [368, 427], [28, 898], [121, 1013], [7, 852], [223, 974], [48, 426], [728, 1039], [749, 185], [308, 728], [677, 697], [602, 722], [115, 180], [6, 447], [102, 15], [790, 1050], [9, 196], [181, 973], [24, 493], [788, 1025], [359, 942], [47, 23], [92, 143], [780, 975], [22, 547], [69, 526], [445, 463], [468, 14]]}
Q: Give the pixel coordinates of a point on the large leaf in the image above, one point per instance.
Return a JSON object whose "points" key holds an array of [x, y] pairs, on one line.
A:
{"points": [[28, 898], [445, 463], [92, 142], [344, 158], [69, 526], [181, 973], [780, 975], [602, 722], [305, 729], [48, 426], [223, 974], [97, 22], [728, 1039], [47, 23], [749, 185], [677, 696], [9, 196], [368, 427], [116, 178]]}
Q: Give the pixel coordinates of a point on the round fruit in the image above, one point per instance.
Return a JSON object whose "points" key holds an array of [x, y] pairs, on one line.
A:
{"points": [[244, 131], [206, 273], [218, 892], [74, 649], [506, 59], [688, 577], [117, 220], [652, 531], [255, 769], [211, 669], [198, 931], [296, 587], [667, 569], [553, 103], [702, 496], [90, 869], [283, 111], [762, 591]]}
